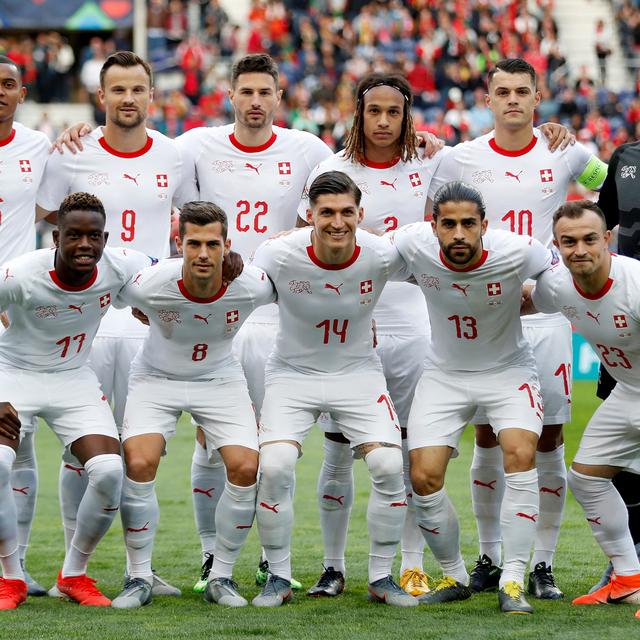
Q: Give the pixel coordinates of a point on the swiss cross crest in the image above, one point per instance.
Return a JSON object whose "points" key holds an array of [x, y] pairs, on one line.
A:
{"points": [[415, 179], [105, 300], [162, 180], [366, 286], [284, 168], [494, 289], [232, 316], [25, 166], [546, 175], [620, 321]]}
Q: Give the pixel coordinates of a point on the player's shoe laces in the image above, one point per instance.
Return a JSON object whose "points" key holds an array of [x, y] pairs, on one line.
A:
{"points": [[620, 589], [201, 585], [136, 594], [446, 589], [161, 587], [82, 589], [330, 584], [387, 591], [415, 582], [262, 575], [33, 588], [275, 592], [224, 591], [485, 576], [542, 584], [512, 600], [12, 593]]}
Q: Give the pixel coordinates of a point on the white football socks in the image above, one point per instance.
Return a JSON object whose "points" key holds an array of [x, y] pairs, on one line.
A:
{"points": [[96, 512], [24, 482], [335, 499], [607, 515], [412, 540], [207, 484], [438, 521], [552, 485], [487, 490], [234, 517], [140, 516], [518, 519], [72, 483], [386, 509], [9, 553]]}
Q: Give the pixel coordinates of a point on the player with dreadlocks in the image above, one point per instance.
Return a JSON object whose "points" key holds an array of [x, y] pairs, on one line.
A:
{"points": [[382, 156]]}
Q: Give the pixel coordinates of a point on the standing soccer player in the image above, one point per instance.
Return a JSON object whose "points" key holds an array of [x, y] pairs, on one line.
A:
{"points": [[24, 155], [328, 278], [137, 173], [478, 359], [186, 364], [522, 184], [382, 158], [600, 295], [55, 301]]}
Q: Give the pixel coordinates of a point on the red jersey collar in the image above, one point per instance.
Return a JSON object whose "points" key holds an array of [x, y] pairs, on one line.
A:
{"points": [[381, 165], [188, 296], [243, 147], [8, 139], [475, 265], [513, 153], [598, 294], [332, 267], [67, 287], [122, 154]]}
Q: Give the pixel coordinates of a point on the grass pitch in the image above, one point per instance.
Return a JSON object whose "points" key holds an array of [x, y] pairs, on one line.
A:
{"points": [[578, 564]]}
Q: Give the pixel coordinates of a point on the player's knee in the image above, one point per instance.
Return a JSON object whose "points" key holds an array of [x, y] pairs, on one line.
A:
{"points": [[277, 465], [140, 467], [105, 473], [243, 473], [519, 457], [425, 482], [384, 462]]}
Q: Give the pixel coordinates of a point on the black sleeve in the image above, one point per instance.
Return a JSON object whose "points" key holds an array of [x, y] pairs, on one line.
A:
{"points": [[608, 200]]}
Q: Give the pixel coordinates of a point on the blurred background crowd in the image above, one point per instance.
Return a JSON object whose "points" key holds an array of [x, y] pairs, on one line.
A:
{"points": [[324, 46]]}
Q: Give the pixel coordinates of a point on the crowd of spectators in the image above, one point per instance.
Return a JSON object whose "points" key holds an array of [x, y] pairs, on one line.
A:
{"points": [[324, 46]]}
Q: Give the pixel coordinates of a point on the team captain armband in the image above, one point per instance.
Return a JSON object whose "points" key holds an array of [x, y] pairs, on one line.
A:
{"points": [[594, 174]]}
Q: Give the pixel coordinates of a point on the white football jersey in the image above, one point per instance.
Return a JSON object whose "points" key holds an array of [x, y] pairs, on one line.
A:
{"points": [[137, 191], [521, 189], [325, 309], [474, 313], [609, 320], [393, 194], [23, 156], [53, 324], [190, 338]]}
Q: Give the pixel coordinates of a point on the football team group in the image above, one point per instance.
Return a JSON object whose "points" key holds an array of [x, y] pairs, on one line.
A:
{"points": [[391, 293]]}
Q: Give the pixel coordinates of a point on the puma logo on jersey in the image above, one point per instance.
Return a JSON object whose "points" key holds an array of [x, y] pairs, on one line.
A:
{"points": [[256, 168], [144, 527], [384, 183], [532, 517], [488, 485], [78, 470], [338, 499], [333, 287], [459, 287], [22, 490], [76, 307], [126, 176], [516, 176], [556, 492], [595, 317], [594, 520], [203, 318], [206, 492], [399, 504], [270, 507], [435, 531]]}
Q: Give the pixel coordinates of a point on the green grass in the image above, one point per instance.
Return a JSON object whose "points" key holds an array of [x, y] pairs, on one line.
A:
{"points": [[578, 565]]}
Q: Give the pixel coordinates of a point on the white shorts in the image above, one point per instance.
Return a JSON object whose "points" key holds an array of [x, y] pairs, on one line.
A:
{"points": [[445, 402], [612, 436], [359, 402], [71, 402], [552, 349], [111, 359], [221, 407], [252, 346]]}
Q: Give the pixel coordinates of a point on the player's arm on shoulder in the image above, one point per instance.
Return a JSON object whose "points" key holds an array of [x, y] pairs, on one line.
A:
{"points": [[399, 270], [542, 295], [538, 258], [557, 135], [71, 138], [263, 290]]}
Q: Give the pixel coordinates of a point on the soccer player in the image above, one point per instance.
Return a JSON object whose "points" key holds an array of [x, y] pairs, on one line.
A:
{"points": [[186, 364], [600, 295], [55, 301], [328, 278], [478, 359], [522, 184], [24, 155], [137, 173], [382, 158]]}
